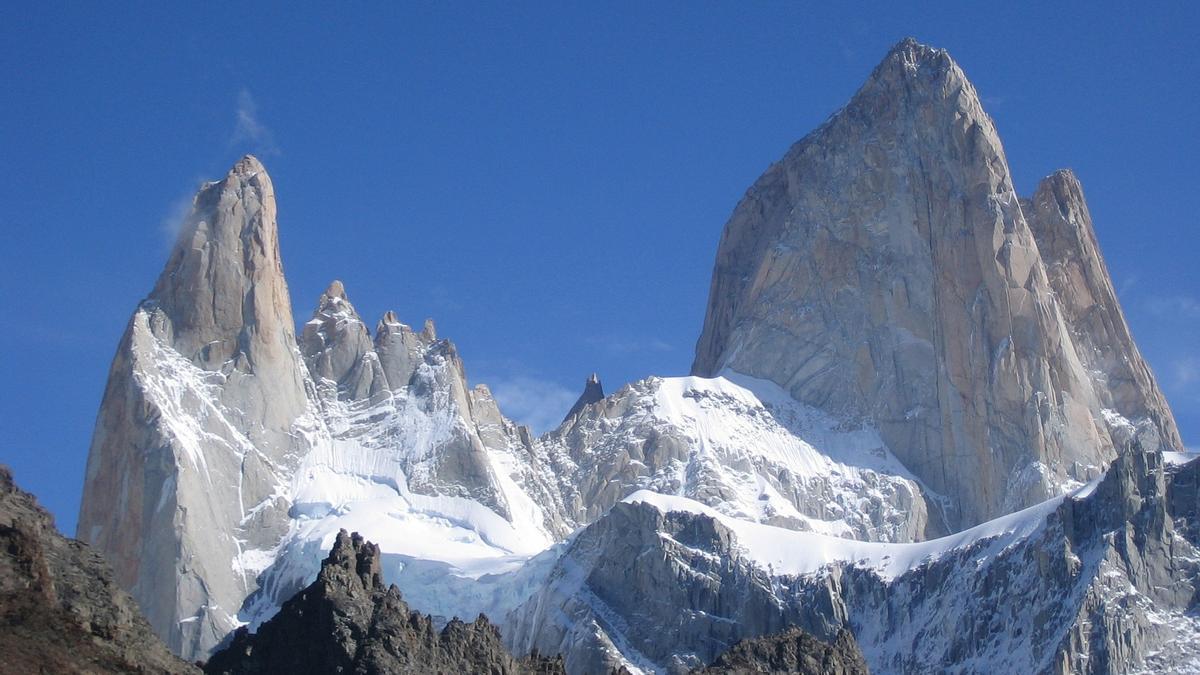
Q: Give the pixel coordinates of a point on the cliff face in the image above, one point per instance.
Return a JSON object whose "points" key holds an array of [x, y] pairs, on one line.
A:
{"points": [[1062, 226], [886, 272], [202, 418], [348, 620], [1101, 581], [60, 610]]}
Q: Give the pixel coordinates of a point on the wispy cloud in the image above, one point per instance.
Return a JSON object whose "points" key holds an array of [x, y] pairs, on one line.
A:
{"points": [[1173, 307], [1127, 284], [174, 218], [624, 345], [534, 401], [249, 132], [1186, 372]]}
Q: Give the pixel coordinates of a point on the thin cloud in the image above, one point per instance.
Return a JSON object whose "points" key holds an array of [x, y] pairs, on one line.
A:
{"points": [[1186, 372], [539, 403], [1174, 307], [172, 221], [617, 345], [249, 129]]}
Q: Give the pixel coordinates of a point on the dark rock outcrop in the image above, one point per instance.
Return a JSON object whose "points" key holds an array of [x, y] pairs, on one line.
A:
{"points": [[349, 621], [60, 610], [792, 651], [593, 392]]}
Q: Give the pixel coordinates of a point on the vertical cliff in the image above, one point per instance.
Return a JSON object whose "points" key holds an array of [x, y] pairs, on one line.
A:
{"points": [[885, 272], [198, 428]]}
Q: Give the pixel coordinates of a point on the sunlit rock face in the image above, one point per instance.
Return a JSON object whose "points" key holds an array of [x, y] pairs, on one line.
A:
{"points": [[885, 272], [201, 420]]}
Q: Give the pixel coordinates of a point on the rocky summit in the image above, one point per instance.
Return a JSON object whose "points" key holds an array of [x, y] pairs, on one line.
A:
{"points": [[886, 272], [918, 435], [350, 621]]}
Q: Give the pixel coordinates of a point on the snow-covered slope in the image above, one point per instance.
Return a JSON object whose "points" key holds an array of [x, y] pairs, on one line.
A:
{"points": [[1102, 580], [743, 447], [451, 554]]}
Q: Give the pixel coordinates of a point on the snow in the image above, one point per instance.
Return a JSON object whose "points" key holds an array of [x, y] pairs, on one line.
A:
{"points": [[1179, 458], [788, 552], [745, 432]]}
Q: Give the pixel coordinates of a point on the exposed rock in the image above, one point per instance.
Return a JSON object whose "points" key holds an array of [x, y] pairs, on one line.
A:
{"points": [[60, 610], [593, 392], [1058, 216], [792, 651], [202, 418], [349, 621], [338, 348], [1105, 582], [745, 448], [885, 272]]}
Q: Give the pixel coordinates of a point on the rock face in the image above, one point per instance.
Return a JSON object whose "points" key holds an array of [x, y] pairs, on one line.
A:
{"points": [[899, 347], [792, 651], [1101, 582], [885, 272], [744, 448], [220, 430], [60, 610], [349, 621], [593, 392], [203, 416], [1061, 225]]}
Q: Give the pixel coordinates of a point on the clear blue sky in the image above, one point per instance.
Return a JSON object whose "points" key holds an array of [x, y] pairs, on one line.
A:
{"points": [[547, 180]]}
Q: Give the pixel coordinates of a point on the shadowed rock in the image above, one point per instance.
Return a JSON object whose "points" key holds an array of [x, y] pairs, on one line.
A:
{"points": [[349, 621], [593, 392], [792, 651], [60, 610]]}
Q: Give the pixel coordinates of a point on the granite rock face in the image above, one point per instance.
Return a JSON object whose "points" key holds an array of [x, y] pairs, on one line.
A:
{"points": [[219, 429], [886, 272], [202, 420], [349, 621], [1062, 226], [60, 609]]}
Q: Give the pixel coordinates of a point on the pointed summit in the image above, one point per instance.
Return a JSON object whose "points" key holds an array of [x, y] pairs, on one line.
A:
{"points": [[223, 286], [215, 334], [1062, 225], [593, 392], [338, 348], [335, 290], [883, 271]]}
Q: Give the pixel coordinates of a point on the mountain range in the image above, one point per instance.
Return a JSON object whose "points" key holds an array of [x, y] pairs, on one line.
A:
{"points": [[917, 427]]}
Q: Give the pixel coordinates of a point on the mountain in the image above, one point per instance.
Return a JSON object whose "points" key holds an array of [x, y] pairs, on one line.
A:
{"points": [[349, 620], [917, 417], [593, 392], [60, 610], [886, 272], [1103, 580], [741, 446], [206, 411]]}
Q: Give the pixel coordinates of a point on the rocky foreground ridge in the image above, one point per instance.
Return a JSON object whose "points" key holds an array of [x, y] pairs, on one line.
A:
{"points": [[60, 608], [350, 621]]}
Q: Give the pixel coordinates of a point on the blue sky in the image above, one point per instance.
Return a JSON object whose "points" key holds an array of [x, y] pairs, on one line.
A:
{"points": [[547, 180]]}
